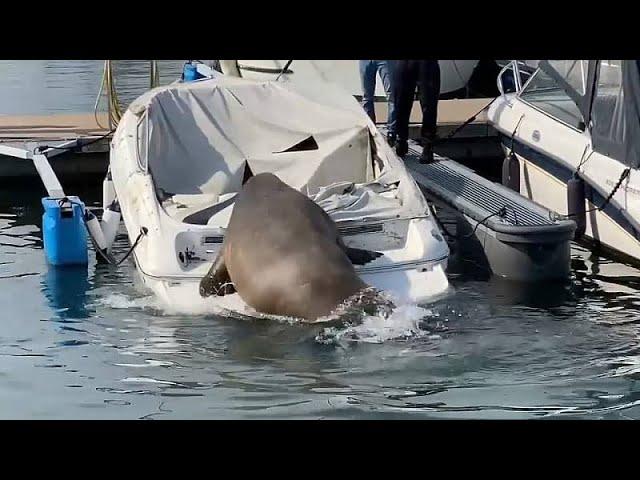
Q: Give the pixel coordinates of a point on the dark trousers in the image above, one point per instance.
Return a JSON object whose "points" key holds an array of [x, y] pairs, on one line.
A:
{"points": [[426, 75]]}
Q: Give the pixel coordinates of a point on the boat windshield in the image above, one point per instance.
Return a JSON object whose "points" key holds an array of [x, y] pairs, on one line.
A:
{"points": [[574, 72], [545, 94]]}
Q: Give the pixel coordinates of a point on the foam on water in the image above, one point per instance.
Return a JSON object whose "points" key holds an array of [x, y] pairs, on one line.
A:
{"points": [[186, 302], [121, 301], [349, 323], [403, 322]]}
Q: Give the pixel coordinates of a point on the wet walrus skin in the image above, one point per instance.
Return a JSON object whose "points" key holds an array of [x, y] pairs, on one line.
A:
{"points": [[283, 254]]}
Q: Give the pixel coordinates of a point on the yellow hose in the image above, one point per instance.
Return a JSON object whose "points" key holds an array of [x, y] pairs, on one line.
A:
{"points": [[108, 85], [115, 113]]}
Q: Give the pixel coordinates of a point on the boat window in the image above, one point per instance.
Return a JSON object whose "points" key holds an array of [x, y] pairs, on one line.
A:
{"points": [[608, 91], [546, 95], [609, 81], [574, 72], [610, 130]]}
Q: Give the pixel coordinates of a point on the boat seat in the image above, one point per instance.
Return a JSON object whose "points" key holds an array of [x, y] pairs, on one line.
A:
{"points": [[190, 200], [196, 209], [216, 215]]}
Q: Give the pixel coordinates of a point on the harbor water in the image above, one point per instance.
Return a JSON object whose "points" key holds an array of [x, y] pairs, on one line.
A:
{"points": [[91, 342], [41, 87]]}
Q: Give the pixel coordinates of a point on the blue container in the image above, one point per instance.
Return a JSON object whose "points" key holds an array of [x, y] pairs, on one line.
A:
{"points": [[64, 233], [191, 72]]}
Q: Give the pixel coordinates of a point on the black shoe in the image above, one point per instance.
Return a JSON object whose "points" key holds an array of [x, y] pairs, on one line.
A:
{"points": [[391, 140], [427, 154], [402, 148]]}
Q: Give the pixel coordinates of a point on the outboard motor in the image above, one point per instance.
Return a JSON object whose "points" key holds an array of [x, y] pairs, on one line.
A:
{"points": [[511, 172], [575, 204]]}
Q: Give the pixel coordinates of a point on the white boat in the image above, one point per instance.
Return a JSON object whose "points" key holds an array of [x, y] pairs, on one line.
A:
{"points": [[181, 152], [454, 74], [578, 119]]}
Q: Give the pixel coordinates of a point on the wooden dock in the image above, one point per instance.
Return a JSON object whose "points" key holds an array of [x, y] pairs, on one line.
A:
{"points": [[51, 127], [451, 114], [31, 131], [478, 141], [34, 130]]}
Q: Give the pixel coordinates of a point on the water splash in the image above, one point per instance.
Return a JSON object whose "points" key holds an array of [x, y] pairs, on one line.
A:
{"points": [[186, 302], [121, 301], [352, 321], [404, 321]]}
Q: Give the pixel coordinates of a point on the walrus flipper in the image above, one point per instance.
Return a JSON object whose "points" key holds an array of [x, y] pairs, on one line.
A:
{"points": [[361, 257], [217, 281]]}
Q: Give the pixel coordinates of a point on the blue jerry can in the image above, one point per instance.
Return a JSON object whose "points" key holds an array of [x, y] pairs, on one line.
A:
{"points": [[191, 72], [64, 233]]}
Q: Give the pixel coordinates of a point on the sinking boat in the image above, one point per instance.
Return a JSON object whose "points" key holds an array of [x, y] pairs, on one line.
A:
{"points": [[181, 152]]}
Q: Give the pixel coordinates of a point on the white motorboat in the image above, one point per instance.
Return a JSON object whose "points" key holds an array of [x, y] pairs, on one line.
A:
{"points": [[577, 123], [180, 154]]}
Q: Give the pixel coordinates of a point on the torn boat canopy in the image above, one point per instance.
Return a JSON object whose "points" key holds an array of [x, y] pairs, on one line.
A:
{"points": [[201, 136]]}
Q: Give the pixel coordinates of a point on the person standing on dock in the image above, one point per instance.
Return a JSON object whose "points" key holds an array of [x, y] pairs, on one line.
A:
{"points": [[368, 71], [426, 75]]}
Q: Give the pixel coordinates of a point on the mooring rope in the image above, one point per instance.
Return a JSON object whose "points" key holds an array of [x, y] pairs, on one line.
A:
{"points": [[625, 173], [110, 259], [502, 212]]}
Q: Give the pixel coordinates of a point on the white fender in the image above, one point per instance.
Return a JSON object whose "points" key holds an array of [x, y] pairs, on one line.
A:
{"points": [[95, 230], [108, 191], [110, 223]]}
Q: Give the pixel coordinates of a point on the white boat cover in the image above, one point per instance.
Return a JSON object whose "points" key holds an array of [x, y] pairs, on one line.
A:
{"points": [[348, 201], [202, 134]]}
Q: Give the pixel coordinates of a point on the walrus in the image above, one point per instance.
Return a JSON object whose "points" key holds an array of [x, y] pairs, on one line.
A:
{"points": [[283, 255]]}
